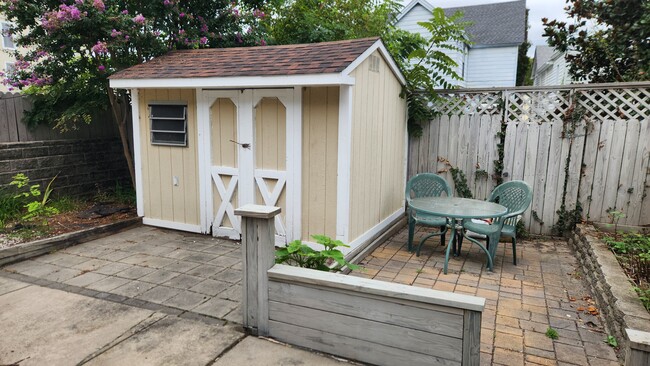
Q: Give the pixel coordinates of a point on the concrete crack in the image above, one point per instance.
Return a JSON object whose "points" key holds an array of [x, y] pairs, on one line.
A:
{"points": [[142, 325]]}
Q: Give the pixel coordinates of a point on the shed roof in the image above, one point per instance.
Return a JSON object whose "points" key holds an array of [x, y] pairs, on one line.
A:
{"points": [[331, 58], [492, 24]]}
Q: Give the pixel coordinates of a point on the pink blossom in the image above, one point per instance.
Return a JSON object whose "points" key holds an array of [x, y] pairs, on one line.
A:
{"points": [[115, 33], [139, 19], [167, 2], [125, 12], [203, 40], [99, 5], [258, 13], [235, 12], [262, 42], [181, 15], [100, 48], [101, 68]]}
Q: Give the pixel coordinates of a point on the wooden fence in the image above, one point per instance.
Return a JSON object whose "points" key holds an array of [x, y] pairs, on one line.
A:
{"points": [[12, 129], [586, 146], [362, 319]]}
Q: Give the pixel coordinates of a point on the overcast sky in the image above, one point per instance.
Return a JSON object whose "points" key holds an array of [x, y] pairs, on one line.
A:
{"points": [[552, 9]]}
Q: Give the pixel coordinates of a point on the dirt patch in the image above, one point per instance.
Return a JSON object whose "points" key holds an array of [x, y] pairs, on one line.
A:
{"points": [[85, 216]]}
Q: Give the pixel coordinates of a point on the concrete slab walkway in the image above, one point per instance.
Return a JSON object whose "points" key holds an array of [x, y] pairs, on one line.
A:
{"points": [[545, 289], [142, 297]]}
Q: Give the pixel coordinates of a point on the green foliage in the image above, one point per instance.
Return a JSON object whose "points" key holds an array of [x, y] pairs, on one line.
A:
{"points": [[633, 252], [552, 333], [311, 21], [611, 340], [567, 219], [118, 194], [616, 217], [302, 255], [608, 41], [522, 233], [10, 207], [460, 182], [38, 207]]}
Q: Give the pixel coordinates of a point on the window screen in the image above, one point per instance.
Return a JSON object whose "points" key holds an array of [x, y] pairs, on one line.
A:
{"points": [[168, 124]]}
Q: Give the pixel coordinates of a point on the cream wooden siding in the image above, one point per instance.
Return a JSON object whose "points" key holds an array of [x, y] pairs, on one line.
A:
{"points": [[223, 130], [319, 165], [378, 147], [163, 200]]}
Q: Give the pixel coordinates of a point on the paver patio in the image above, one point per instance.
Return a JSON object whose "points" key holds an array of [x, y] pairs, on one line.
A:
{"points": [[162, 270], [197, 275], [544, 290]]}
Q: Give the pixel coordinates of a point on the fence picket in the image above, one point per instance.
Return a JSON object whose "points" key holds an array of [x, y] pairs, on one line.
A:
{"points": [[530, 162], [626, 184], [596, 209], [615, 159], [481, 156], [541, 167], [638, 211]]}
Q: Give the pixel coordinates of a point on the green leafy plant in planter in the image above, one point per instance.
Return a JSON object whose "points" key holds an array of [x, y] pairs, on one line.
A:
{"points": [[302, 255]]}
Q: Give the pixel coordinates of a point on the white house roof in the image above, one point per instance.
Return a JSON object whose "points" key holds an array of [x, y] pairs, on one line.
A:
{"points": [[497, 24], [326, 63]]}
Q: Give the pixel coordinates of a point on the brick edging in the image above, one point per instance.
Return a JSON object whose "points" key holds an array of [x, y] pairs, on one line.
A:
{"points": [[617, 301], [39, 247]]}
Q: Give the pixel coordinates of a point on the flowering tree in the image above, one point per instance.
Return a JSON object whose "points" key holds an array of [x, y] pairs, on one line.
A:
{"points": [[67, 49]]}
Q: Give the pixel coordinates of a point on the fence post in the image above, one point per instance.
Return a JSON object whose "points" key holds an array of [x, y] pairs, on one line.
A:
{"points": [[258, 248]]}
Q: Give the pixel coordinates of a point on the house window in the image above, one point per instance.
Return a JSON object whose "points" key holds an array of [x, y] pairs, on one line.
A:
{"points": [[168, 124], [7, 39], [10, 67]]}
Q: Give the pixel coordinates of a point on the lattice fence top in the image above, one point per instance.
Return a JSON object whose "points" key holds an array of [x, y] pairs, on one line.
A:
{"points": [[612, 102]]}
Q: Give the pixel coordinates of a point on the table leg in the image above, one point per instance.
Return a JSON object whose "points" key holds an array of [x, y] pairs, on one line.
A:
{"points": [[452, 243]]}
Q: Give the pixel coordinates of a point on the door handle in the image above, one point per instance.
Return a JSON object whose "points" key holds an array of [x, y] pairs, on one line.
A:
{"points": [[245, 145]]}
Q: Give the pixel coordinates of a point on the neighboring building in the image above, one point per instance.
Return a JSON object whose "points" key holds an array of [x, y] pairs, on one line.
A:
{"points": [[7, 59], [496, 32], [550, 67]]}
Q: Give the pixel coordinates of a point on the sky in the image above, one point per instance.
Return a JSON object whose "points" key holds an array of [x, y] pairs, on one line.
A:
{"points": [[552, 9]]}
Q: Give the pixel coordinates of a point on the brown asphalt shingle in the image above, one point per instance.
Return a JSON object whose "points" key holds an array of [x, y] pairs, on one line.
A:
{"points": [[313, 58]]}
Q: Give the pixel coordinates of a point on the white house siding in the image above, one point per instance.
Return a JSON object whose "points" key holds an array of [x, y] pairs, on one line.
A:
{"points": [[491, 67], [555, 74], [409, 22]]}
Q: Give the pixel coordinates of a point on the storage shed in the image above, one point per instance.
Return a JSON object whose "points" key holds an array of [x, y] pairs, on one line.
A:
{"points": [[317, 129]]}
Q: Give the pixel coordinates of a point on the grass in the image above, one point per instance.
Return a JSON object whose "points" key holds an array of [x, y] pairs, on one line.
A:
{"points": [[552, 333], [10, 208]]}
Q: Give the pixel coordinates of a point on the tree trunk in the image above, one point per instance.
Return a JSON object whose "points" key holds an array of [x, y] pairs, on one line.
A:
{"points": [[120, 116]]}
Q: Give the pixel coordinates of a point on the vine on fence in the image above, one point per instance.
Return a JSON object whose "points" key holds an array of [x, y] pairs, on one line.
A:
{"points": [[568, 218], [498, 164], [460, 181]]}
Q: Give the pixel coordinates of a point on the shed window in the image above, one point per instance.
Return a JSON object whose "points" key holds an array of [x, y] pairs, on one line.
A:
{"points": [[168, 124]]}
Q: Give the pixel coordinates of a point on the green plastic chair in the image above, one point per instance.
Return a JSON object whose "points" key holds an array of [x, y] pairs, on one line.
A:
{"points": [[516, 196], [426, 185]]}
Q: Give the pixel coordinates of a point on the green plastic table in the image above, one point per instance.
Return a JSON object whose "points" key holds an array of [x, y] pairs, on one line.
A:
{"points": [[456, 208]]}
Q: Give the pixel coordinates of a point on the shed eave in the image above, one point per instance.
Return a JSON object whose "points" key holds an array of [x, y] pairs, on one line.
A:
{"points": [[278, 81], [377, 46]]}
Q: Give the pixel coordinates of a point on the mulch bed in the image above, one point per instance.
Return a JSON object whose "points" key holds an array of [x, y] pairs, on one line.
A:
{"points": [[87, 216]]}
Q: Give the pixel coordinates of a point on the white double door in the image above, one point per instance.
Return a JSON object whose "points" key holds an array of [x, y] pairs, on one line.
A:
{"points": [[252, 156]]}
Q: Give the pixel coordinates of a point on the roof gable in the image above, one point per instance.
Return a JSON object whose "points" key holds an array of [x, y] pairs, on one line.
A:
{"points": [[320, 59], [496, 24]]}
